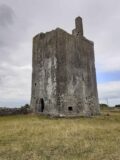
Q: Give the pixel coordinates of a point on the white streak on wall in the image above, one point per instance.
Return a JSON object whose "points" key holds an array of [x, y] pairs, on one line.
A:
{"points": [[51, 87]]}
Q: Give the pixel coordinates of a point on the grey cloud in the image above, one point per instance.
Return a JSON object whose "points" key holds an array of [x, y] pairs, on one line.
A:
{"points": [[6, 20], [6, 15], [12, 33]]}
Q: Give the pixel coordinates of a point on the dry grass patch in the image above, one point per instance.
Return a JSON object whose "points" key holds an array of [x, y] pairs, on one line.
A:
{"points": [[33, 137]]}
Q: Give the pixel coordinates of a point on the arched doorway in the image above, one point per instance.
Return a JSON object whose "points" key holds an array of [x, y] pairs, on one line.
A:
{"points": [[39, 105], [42, 104]]}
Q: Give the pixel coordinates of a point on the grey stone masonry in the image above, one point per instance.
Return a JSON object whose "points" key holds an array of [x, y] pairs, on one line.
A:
{"points": [[63, 75]]}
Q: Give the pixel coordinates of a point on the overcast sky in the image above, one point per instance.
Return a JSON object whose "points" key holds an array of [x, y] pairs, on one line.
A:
{"points": [[20, 20]]}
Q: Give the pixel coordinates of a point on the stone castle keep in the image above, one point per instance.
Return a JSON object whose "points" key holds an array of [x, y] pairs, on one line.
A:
{"points": [[64, 76]]}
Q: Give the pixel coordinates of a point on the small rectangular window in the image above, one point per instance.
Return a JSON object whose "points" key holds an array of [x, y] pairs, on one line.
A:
{"points": [[70, 108]]}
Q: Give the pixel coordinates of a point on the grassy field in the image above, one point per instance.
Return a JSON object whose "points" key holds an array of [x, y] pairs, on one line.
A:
{"points": [[31, 137]]}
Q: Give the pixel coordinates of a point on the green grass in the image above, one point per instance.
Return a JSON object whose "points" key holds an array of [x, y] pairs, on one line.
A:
{"points": [[31, 137]]}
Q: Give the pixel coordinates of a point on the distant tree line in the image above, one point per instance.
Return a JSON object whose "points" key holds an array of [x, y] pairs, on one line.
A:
{"points": [[118, 105], [15, 111], [105, 105]]}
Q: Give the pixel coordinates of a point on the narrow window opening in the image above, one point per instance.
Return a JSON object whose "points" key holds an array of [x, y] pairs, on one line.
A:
{"points": [[70, 108], [78, 33], [35, 84]]}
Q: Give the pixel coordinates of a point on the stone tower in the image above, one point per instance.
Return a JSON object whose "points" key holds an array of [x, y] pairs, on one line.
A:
{"points": [[64, 76]]}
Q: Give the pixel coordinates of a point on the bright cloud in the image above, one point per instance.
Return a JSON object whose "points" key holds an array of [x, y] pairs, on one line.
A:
{"points": [[109, 91]]}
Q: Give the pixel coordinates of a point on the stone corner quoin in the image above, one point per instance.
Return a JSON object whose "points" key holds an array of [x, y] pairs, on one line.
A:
{"points": [[63, 75]]}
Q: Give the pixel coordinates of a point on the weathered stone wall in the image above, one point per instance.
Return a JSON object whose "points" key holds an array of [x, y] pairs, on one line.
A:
{"points": [[64, 76], [44, 72]]}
